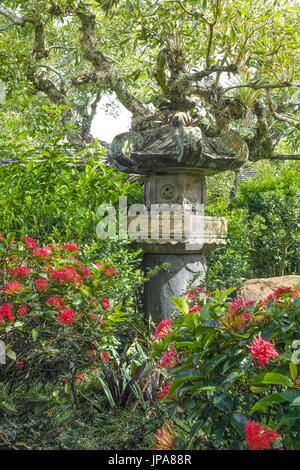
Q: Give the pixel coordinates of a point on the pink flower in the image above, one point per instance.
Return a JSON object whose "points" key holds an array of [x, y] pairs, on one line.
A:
{"points": [[12, 288], [67, 316], [29, 242], [163, 328], [164, 392], [105, 304], [262, 351], [41, 284], [21, 271], [69, 246], [56, 302], [169, 360], [259, 438], [41, 253], [166, 437]]}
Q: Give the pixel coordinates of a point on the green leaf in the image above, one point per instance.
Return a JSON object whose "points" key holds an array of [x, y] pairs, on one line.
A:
{"points": [[238, 422], [293, 371], [107, 392], [182, 304], [267, 401], [34, 334], [11, 354], [271, 378], [289, 418]]}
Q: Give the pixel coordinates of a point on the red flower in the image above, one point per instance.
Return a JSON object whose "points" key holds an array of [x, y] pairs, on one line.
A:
{"points": [[41, 253], [163, 328], [69, 246], [110, 272], [57, 302], [105, 304], [164, 392], [169, 359], [86, 272], [80, 377], [66, 317], [67, 273], [1, 236], [21, 311], [296, 293], [12, 288], [166, 437], [259, 438], [65, 381], [105, 357], [29, 242], [197, 309], [5, 311], [262, 351], [41, 284], [21, 271]]}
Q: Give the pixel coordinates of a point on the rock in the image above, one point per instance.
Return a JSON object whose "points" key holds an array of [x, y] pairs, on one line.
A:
{"points": [[255, 289]]}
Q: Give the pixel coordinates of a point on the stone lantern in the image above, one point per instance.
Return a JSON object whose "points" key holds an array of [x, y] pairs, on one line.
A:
{"points": [[174, 158]]}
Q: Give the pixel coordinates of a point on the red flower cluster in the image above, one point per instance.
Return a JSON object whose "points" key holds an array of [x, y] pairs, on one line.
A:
{"points": [[86, 272], [21, 271], [259, 438], [41, 284], [21, 311], [169, 359], [262, 351], [67, 316], [197, 309], [105, 304], [41, 253], [164, 392], [5, 311], [80, 377], [105, 357], [56, 302], [67, 273], [163, 328], [30, 243], [13, 288], [69, 246]]}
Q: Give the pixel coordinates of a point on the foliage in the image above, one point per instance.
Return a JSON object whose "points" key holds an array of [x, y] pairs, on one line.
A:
{"points": [[64, 330], [216, 385], [263, 225]]}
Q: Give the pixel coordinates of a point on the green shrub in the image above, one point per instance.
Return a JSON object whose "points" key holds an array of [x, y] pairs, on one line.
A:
{"points": [[233, 363]]}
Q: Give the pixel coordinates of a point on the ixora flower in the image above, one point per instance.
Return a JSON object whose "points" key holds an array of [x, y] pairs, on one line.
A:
{"points": [[164, 392], [41, 253], [21, 271], [105, 304], [259, 438], [163, 328], [67, 316], [80, 377], [196, 309], [110, 272], [67, 273], [296, 293], [13, 288], [104, 357], [22, 310], [71, 247], [30, 243], [169, 360], [5, 311], [56, 302], [41, 284], [262, 351], [166, 438]]}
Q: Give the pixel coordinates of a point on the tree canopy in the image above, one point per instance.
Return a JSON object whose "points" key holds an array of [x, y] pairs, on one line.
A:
{"points": [[228, 65]]}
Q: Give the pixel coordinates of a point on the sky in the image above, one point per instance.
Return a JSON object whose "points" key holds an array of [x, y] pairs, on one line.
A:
{"points": [[111, 118]]}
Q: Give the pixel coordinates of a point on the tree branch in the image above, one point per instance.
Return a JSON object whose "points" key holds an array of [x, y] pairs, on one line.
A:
{"points": [[281, 117], [266, 86], [14, 18], [197, 76], [276, 157], [91, 53]]}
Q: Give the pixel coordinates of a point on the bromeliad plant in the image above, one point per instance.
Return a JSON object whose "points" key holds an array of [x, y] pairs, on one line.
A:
{"points": [[57, 320], [232, 371]]}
